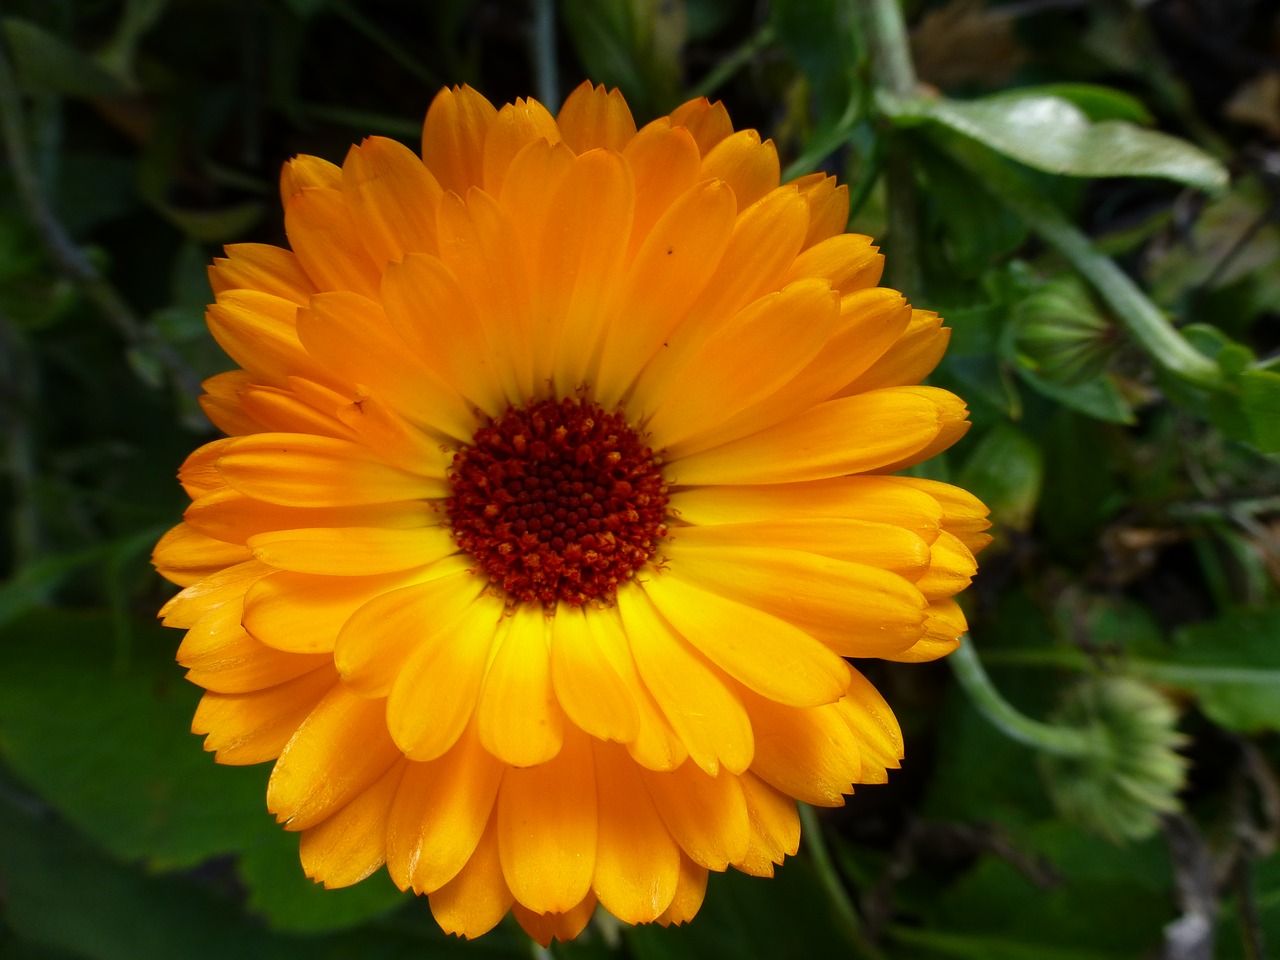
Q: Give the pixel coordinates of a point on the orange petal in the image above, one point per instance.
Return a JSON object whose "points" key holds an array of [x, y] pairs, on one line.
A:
{"points": [[294, 469], [545, 927], [303, 172], [828, 206], [259, 332], [547, 828], [199, 472], [874, 726], [691, 889], [810, 754], [244, 728], [706, 815], [440, 814], [453, 137], [260, 266], [944, 625], [665, 163], [221, 403], [708, 122], [325, 237], [747, 165], [851, 262], [184, 555], [223, 587], [593, 117], [516, 126], [352, 843], [775, 827], [702, 710], [963, 514], [764, 652], [392, 198], [590, 689], [637, 861], [340, 751], [909, 360], [850, 435], [472, 903], [519, 720]]}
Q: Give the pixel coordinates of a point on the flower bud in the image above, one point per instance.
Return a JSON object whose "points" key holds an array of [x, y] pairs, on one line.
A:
{"points": [[1060, 334]]}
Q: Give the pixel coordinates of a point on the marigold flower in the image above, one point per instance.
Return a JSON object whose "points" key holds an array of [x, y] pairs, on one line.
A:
{"points": [[555, 496]]}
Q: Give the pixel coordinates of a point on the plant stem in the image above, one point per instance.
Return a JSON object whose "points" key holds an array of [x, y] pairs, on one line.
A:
{"points": [[1132, 307], [1064, 741], [896, 75], [811, 831], [543, 47]]}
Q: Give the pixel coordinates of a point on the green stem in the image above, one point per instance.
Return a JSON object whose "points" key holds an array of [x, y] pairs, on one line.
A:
{"points": [[890, 48], [543, 48], [896, 75], [734, 62], [816, 844], [982, 693], [1131, 306]]}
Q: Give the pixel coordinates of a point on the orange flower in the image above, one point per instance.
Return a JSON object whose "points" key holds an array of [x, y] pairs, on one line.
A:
{"points": [[554, 497]]}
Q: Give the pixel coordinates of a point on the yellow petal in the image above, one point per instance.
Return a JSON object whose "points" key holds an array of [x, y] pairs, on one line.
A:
{"points": [[223, 587], [184, 555], [294, 469], [874, 726], [637, 861], [775, 827], [963, 514], [593, 117], [756, 611], [305, 171], [301, 613], [453, 137], [227, 514], [199, 472], [479, 242], [325, 238], [944, 625], [545, 927], [262, 267], [435, 692], [244, 728], [665, 163], [747, 165], [590, 690], [951, 568], [762, 651], [440, 814], [810, 754], [704, 713], [708, 122], [259, 332], [578, 265], [758, 351], [690, 891], [849, 435], [352, 843], [221, 403], [872, 544], [280, 410], [828, 206], [392, 197], [547, 826], [667, 275], [434, 314], [953, 424], [472, 903], [340, 750], [883, 499], [706, 815], [377, 638], [851, 262], [519, 721], [909, 360], [516, 126]]}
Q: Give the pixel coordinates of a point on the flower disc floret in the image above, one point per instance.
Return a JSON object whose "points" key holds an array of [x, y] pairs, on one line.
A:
{"points": [[558, 501]]}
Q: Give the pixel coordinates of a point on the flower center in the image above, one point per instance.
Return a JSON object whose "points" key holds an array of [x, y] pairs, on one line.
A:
{"points": [[558, 500]]}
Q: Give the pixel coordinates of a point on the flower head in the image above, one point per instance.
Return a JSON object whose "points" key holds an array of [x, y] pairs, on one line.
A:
{"points": [[555, 494]]}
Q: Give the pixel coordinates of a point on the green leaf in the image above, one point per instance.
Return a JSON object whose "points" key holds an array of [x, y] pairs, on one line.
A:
{"points": [[631, 44], [47, 64], [1098, 102], [1005, 470], [1099, 398], [1053, 134], [1231, 665]]}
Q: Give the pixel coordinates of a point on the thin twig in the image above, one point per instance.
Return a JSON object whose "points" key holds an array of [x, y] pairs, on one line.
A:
{"points": [[542, 42]]}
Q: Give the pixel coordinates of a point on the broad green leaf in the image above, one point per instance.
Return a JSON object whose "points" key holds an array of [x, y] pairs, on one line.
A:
{"points": [[45, 63], [1099, 398], [1260, 402], [1005, 469], [1231, 665], [1097, 101], [1053, 134]]}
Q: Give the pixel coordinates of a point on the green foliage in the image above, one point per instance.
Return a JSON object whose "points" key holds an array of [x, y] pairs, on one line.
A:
{"points": [[1061, 193]]}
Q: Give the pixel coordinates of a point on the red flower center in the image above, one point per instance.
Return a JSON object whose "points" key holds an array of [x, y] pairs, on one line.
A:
{"points": [[558, 500]]}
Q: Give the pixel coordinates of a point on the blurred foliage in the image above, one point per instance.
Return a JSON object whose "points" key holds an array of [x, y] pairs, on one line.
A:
{"points": [[1088, 190]]}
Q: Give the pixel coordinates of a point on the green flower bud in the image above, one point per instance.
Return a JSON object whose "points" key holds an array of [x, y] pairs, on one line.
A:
{"points": [[1133, 773], [1060, 334]]}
